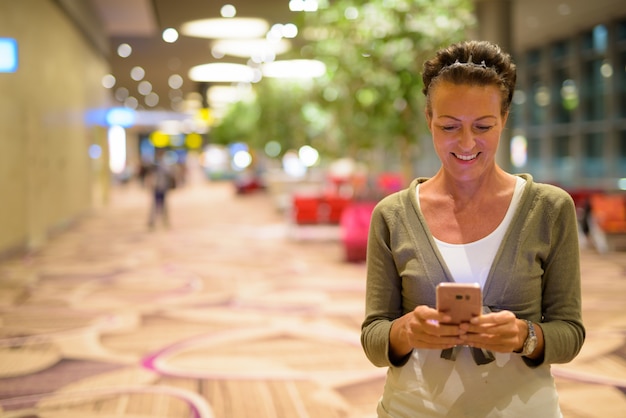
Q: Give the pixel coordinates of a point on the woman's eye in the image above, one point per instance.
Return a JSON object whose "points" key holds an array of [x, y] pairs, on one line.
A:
{"points": [[448, 128], [483, 128]]}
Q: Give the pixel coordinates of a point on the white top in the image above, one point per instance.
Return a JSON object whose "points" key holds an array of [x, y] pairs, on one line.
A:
{"points": [[470, 263], [428, 386]]}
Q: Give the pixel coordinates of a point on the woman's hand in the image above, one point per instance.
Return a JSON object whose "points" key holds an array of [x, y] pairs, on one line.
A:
{"points": [[497, 331], [423, 328]]}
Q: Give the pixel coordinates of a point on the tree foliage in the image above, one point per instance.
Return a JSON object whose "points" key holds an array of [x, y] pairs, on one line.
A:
{"points": [[371, 94], [374, 51]]}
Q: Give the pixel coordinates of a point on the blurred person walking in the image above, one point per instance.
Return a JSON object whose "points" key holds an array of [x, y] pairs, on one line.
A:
{"points": [[160, 179]]}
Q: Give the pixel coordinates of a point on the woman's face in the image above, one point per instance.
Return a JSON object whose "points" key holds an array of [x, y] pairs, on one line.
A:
{"points": [[466, 124]]}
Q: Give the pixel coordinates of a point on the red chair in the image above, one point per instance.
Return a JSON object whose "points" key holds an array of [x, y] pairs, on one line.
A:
{"points": [[355, 223], [306, 209], [335, 207], [609, 212]]}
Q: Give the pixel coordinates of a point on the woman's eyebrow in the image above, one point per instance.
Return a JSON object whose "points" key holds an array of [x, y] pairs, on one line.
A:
{"points": [[457, 119]]}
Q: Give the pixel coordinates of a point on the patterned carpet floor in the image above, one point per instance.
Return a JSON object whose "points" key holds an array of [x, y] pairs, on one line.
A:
{"points": [[230, 312]]}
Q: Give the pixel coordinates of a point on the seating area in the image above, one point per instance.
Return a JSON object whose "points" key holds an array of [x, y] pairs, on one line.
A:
{"points": [[319, 209], [609, 212], [604, 221], [343, 203], [355, 223], [335, 217]]}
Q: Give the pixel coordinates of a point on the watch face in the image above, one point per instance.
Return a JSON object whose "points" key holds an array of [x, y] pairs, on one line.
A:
{"points": [[531, 341], [530, 346]]}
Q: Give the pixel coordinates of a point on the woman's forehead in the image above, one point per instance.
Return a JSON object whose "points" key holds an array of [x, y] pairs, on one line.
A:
{"points": [[453, 100], [461, 92]]}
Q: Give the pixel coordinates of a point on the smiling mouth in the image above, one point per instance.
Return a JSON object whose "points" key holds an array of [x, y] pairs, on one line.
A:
{"points": [[466, 157]]}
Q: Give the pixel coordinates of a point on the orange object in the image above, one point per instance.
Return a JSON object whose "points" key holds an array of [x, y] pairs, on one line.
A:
{"points": [[609, 212]]}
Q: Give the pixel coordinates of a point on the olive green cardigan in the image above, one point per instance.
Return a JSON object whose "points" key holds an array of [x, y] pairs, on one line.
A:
{"points": [[535, 274]]}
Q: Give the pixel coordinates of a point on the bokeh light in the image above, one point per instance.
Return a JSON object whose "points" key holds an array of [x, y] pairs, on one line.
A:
{"points": [[273, 149], [170, 35], [308, 155], [117, 149], [108, 81], [242, 160], [124, 50], [95, 151], [193, 141], [159, 139]]}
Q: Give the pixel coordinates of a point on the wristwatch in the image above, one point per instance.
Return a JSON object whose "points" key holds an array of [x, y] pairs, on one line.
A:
{"points": [[531, 341]]}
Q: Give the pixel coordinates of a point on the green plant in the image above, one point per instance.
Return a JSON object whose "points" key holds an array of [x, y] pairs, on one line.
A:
{"points": [[370, 99], [374, 51]]}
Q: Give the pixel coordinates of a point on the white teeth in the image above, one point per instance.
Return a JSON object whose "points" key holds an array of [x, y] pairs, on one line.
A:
{"points": [[466, 157]]}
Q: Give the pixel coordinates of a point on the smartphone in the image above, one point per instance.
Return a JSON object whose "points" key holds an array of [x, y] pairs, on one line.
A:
{"points": [[462, 301]]}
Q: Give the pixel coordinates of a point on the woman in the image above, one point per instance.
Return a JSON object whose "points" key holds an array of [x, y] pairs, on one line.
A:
{"points": [[472, 222]]}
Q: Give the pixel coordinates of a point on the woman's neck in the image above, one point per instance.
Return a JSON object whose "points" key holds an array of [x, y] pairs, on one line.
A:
{"points": [[493, 183]]}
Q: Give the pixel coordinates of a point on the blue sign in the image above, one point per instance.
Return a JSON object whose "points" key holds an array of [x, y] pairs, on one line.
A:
{"points": [[120, 116], [8, 55]]}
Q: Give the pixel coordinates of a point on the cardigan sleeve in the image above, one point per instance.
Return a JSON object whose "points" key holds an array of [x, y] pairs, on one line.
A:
{"points": [[536, 274], [383, 298], [561, 317]]}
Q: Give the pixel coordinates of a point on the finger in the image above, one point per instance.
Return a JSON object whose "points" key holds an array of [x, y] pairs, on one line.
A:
{"points": [[497, 342], [426, 313], [493, 331], [501, 317], [434, 335], [435, 342]]}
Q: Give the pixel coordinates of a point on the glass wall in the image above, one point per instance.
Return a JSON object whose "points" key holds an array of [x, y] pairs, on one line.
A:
{"points": [[563, 97], [533, 163], [593, 162], [572, 110], [621, 152], [621, 83]]}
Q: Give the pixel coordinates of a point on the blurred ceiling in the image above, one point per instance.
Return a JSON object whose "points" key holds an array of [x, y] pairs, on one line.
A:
{"points": [[140, 23]]}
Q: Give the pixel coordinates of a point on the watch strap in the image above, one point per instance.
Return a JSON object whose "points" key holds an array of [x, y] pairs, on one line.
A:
{"points": [[531, 340]]}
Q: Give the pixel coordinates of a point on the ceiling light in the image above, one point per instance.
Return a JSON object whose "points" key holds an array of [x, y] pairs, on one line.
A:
{"points": [[170, 35], [131, 102], [217, 54], [124, 50], [247, 48], [278, 31], [223, 95], [294, 69], [303, 5], [222, 72], [175, 81], [151, 99], [238, 28], [175, 94], [108, 81], [228, 10], [137, 73], [289, 30], [144, 87], [121, 94]]}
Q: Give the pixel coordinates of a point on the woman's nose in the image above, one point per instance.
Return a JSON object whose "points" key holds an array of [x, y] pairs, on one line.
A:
{"points": [[466, 139]]}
